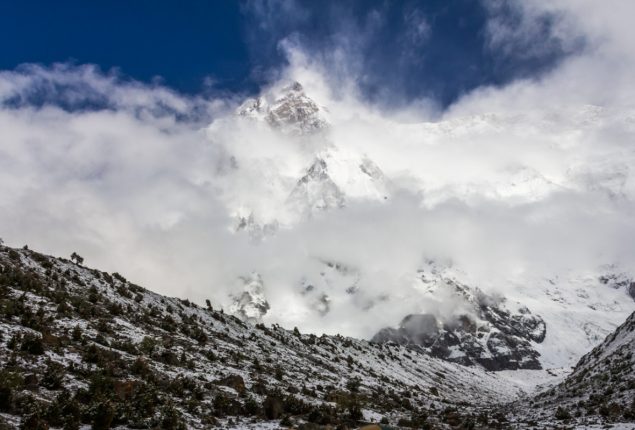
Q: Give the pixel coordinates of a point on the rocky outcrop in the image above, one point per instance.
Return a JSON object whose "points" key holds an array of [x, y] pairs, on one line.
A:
{"points": [[316, 191], [289, 110], [251, 304], [295, 112], [256, 231], [619, 281], [487, 334]]}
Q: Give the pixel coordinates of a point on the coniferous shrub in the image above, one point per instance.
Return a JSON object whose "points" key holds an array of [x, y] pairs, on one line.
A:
{"points": [[32, 344], [53, 376], [562, 413], [102, 415]]}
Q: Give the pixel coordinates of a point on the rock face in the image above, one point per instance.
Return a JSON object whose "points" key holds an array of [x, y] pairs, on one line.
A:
{"points": [[290, 110], [295, 112], [256, 231], [316, 191], [251, 305], [619, 281], [486, 333]]}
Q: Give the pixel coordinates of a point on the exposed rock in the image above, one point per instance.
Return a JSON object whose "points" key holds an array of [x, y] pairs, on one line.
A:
{"points": [[251, 305], [295, 112], [233, 381], [422, 329], [488, 335], [618, 280], [290, 110], [256, 231], [316, 191]]}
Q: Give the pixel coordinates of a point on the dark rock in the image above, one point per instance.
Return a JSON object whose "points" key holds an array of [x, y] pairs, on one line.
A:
{"points": [[494, 337], [421, 329], [233, 381]]}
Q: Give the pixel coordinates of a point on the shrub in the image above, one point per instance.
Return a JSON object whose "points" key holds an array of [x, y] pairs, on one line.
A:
{"points": [[140, 367], [6, 398], [171, 419], [272, 407], [562, 413], [77, 333], [353, 385], [53, 376], [118, 277], [13, 255], [103, 414], [147, 345], [251, 407], [32, 344], [223, 405], [34, 422]]}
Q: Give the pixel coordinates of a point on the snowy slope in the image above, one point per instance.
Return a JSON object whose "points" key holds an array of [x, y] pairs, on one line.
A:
{"points": [[601, 389], [574, 313], [115, 345]]}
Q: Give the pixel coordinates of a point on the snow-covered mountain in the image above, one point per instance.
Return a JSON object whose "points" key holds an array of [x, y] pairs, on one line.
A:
{"points": [[483, 330], [308, 174], [318, 168]]}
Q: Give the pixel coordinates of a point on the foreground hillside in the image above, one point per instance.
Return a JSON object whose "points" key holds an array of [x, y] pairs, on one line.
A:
{"points": [[80, 348], [83, 347], [601, 388]]}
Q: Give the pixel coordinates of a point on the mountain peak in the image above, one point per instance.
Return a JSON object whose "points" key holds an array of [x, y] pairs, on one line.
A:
{"points": [[289, 110]]}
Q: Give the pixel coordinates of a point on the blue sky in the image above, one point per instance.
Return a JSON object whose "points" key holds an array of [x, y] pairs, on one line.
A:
{"points": [[397, 51]]}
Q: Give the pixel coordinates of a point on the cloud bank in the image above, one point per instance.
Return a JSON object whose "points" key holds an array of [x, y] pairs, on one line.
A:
{"points": [[510, 182]]}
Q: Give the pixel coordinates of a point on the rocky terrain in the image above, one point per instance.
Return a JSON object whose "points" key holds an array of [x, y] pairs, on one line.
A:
{"points": [[80, 347], [84, 347], [485, 333], [601, 388]]}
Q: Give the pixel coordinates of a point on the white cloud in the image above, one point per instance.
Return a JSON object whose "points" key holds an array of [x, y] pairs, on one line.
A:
{"points": [[531, 178]]}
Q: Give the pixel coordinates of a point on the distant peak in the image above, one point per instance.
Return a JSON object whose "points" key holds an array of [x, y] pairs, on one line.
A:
{"points": [[288, 109]]}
